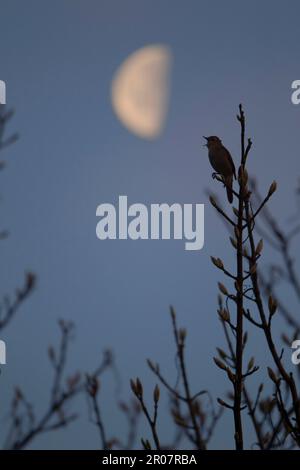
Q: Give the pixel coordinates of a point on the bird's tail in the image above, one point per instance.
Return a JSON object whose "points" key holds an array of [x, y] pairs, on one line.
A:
{"points": [[229, 189]]}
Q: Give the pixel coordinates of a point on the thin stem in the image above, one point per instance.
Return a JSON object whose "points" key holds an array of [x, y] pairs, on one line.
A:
{"points": [[238, 385], [189, 400]]}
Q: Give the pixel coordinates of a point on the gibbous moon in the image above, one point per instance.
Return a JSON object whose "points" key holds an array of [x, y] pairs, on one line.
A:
{"points": [[140, 90]]}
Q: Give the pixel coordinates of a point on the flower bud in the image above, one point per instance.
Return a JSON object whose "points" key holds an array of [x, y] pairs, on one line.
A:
{"points": [[259, 247], [272, 375], [222, 288], [233, 242], [182, 334], [220, 364], [250, 364], [213, 201], [156, 394], [272, 304], [272, 188], [217, 262]]}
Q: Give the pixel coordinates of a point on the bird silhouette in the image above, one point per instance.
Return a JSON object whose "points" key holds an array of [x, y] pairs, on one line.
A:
{"points": [[222, 162]]}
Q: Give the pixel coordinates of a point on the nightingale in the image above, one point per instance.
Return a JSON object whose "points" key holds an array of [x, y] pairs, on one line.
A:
{"points": [[221, 161]]}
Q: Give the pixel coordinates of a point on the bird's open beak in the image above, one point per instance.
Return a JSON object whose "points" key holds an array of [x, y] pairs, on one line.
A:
{"points": [[205, 145]]}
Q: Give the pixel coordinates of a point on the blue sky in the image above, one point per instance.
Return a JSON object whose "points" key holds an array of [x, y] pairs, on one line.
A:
{"points": [[58, 59]]}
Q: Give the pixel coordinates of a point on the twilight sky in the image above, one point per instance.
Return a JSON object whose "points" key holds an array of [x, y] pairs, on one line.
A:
{"points": [[58, 60]]}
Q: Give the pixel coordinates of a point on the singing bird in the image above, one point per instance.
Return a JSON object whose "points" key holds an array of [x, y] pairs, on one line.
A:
{"points": [[221, 161]]}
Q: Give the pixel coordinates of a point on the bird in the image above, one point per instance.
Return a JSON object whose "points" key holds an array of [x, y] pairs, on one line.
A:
{"points": [[222, 162]]}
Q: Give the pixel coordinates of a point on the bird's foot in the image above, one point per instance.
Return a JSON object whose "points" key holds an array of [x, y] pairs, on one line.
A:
{"points": [[217, 176]]}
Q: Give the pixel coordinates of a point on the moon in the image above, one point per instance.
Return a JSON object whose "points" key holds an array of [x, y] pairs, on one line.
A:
{"points": [[141, 89]]}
